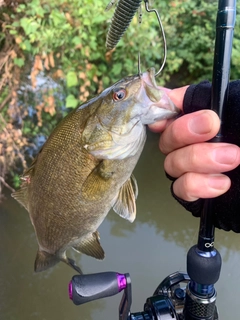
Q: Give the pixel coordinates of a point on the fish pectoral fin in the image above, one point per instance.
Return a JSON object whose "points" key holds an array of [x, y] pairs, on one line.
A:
{"points": [[91, 246], [97, 183], [125, 203], [45, 260]]}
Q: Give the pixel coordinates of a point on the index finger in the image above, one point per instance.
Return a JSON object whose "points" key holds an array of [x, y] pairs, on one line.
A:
{"points": [[176, 95], [191, 128]]}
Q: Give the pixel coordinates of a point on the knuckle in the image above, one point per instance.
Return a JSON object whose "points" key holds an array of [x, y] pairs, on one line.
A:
{"points": [[190, 186], [193, 157], [163, 146], [169, 139], [168, 167], [175, 133]]}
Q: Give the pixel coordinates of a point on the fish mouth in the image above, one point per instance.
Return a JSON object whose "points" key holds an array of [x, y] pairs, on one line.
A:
{"points": [[149, 77], [158, 101]]}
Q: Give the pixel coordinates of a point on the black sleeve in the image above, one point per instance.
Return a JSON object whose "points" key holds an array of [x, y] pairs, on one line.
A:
{"points": [[226, 207]]}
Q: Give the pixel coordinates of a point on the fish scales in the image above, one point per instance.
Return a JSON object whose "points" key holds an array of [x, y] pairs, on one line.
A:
{"points": [[85, 168]]}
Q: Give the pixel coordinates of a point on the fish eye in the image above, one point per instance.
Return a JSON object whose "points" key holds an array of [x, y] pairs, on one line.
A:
{"points": [[119, 95]]}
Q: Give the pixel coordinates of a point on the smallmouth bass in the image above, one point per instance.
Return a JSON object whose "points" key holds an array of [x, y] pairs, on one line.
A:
{"points": [[85, 168]]}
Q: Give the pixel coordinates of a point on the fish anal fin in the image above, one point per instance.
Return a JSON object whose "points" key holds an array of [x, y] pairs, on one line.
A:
{"points": [[45, 260], [125, 203], [91, 246]]}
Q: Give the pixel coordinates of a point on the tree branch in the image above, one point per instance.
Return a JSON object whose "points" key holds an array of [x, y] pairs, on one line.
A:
{"points": [[6, 184], [5, 101]]}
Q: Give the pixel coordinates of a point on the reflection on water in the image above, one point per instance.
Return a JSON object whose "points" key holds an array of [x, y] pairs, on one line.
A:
{"points": [[154, 246]]}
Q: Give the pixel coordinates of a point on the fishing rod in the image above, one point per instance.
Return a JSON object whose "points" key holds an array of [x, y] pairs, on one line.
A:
{"points": [[191, 295], [203, 260]]}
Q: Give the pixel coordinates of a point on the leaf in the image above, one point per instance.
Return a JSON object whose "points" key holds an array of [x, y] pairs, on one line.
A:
{"points": [[77, 40], [51, 60], [29, 25], [21, 7], [24, 22], [25, 45], [106, 81], [71, 79], [18, 62], [13, 32], [16, 181], [57, 17], [71, 101], [117, 68], [98, 19]]}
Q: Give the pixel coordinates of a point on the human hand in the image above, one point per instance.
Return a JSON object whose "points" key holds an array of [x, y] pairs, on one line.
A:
{"points": [[197, 165]]}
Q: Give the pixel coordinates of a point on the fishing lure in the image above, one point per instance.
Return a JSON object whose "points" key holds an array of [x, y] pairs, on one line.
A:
{"points": [[121, 19]]}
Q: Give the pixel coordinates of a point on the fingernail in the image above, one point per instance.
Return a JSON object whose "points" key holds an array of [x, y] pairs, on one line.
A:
{"points": [[225, 155], [201, 123], [219, 182]]}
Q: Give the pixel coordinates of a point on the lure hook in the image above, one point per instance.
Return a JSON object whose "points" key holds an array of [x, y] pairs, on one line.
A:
{"points": [[163, 37], [139, 65]]}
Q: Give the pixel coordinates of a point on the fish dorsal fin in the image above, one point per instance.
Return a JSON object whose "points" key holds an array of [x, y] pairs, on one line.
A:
{"points": [[21, 195], [125, 204], [91, 246], [134, 186]]}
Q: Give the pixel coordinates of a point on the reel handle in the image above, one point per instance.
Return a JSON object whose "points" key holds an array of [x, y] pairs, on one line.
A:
{"points": [[89, 287]]}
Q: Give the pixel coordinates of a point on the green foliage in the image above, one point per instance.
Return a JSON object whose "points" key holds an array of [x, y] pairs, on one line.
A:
{"points": [[190, 29], [19, 62], [71, 101], [72, 79], [16, 180], [75, 32], [65, 41]]}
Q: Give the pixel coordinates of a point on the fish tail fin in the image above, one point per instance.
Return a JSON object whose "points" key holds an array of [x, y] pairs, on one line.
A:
{"points": [[45, 260], [71, 263]]}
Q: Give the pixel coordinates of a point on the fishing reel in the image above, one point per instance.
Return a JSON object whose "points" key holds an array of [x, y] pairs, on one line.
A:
{"points": [[172, 299]]}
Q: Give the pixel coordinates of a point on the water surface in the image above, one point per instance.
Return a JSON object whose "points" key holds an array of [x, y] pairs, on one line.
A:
{"points": [[151, 248]]}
